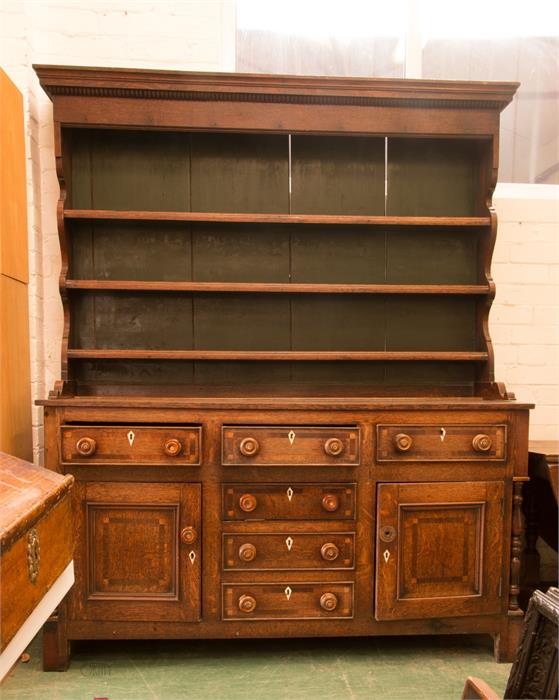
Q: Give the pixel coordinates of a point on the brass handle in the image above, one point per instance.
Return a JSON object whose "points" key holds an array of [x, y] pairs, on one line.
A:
{"points": [[172, 447], [482, 443], [330, 502], [403, 442], [328, 601], [247, 604], [247, 502], [249, 447], [333, 447], [189, 535], [329, 551], [247, 552], [86, 446]]}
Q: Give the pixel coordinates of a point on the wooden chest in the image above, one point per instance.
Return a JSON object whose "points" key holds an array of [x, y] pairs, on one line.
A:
{"points": [[277, 395], [36, 539]]}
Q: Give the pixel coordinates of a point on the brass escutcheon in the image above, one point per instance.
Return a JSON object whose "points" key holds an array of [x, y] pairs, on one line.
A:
{"points": [[33, 555]]}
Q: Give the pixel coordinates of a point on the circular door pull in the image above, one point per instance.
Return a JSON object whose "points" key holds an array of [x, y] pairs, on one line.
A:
{"points": [[172, 447], [86, 446], [330, 502], [189, 535], [329, 551], [403, 442], [249, 446], [482, 443], [247, 604], [247, 502], [333, 447], [387, 533], [247, 552], [328, 601]]}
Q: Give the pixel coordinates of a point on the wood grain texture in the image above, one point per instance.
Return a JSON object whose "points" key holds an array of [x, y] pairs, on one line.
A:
{"points": [[35, 521], [255, 283], [15, 369], [13, 179]]}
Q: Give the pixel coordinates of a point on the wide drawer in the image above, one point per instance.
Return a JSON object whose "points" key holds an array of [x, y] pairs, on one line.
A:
{"points": [[441, 443], [289, 501], [130, 445], [287, 601], [284, 446], [300, 550]]}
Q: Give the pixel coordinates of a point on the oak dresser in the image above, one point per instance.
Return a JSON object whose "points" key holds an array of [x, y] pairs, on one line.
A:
{"points": [[277, 395]]}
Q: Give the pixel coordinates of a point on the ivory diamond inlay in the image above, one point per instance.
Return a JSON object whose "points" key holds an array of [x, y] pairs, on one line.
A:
{"points": [[288, 592]]}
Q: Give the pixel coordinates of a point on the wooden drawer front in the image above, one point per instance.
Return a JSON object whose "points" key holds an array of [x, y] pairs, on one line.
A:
{"points": [[289, 501], [287, 601], [300, 550], [441, 443], [129, 445], [303, 446]]}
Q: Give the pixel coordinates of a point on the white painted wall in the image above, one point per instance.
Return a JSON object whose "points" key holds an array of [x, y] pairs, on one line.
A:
{"points": [[200, 35]]}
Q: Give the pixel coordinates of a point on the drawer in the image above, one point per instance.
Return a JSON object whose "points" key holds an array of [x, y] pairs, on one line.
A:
{"points": [[287, 601], [130, 445], [284, 446], [289, 501], [441, 443], [299, 550]]}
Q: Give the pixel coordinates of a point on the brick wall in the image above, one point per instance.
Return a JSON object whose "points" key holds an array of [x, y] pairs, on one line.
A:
{"points": [[524, 320], [200, 35]]}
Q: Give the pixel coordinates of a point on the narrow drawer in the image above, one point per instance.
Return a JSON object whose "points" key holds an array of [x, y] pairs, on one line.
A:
{"points": [[285, 446], [441, 443], [130, 445], [289, 501], [300, 550], [287, 601]]}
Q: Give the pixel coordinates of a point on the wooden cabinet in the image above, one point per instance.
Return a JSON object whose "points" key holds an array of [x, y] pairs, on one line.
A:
{"points": [[139, 552], [439, 549], [277, 396]]}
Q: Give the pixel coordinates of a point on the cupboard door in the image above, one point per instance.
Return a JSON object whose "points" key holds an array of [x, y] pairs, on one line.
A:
{"points": [[439, 549], [140, 552]]}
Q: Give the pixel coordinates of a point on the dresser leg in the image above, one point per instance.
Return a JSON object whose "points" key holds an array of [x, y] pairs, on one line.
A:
{"points": [[505, 642], [56, 646]]}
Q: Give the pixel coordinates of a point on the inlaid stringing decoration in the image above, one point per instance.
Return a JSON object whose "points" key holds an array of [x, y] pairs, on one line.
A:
{"points": [[131, 437], [289, 493], [289, 543], [386, 555], [291, 436], [288, 592]]}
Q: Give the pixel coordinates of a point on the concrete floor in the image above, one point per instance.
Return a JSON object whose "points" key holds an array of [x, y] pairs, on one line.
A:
{"points": [[414, 668]]}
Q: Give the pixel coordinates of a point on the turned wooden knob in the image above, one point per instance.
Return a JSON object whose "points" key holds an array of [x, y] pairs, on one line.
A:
{"points": [[249, 447], [189, 535], [172, 447], [329, 551], [328, 601], [333, 447], [482, 443], [247, 502], [247, 552], [86, 446], [247, 604], [330, 502], [403, 442]]}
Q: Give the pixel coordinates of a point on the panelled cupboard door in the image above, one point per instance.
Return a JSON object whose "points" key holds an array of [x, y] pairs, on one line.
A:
{"points": [[439, 549], [141, 549]]}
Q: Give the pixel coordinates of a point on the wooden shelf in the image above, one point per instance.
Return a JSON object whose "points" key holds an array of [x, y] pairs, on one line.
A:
{"points": [[278, 355], [275, 288], [210, 217]]}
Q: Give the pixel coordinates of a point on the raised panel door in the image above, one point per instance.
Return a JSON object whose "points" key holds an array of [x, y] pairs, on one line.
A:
{"points": [[141, 552], [439, 549]]}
